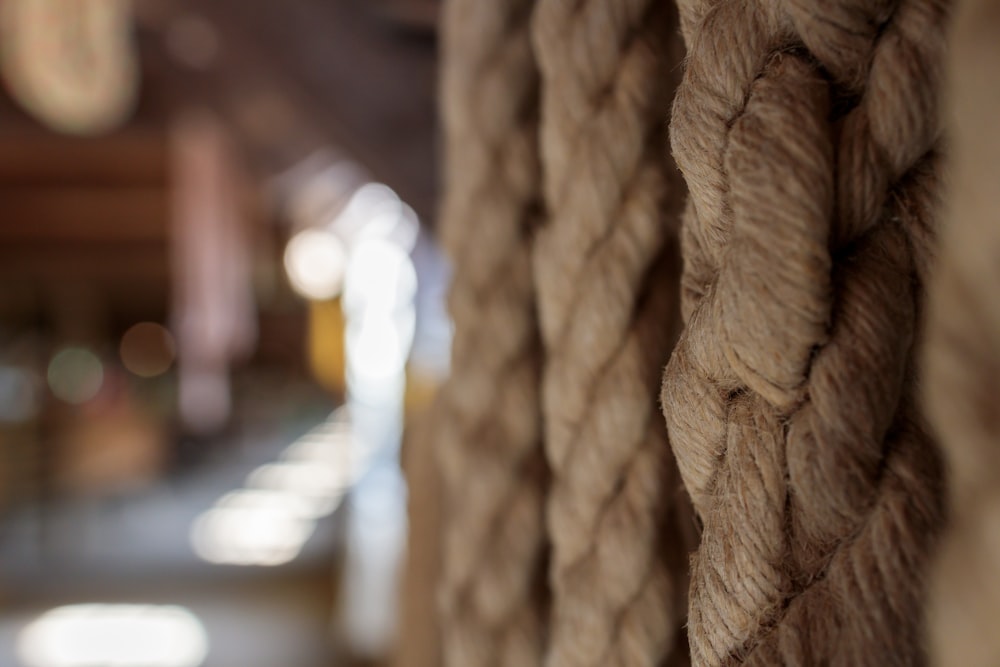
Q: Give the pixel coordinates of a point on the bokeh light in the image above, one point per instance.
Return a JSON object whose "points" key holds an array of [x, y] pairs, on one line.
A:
{"points": [[19, 394], [253, 528], [114, 635], [147, 349], [75, 375], [315, 260]]}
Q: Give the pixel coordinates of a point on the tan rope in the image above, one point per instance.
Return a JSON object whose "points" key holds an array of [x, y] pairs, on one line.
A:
{"points": [[963, 348], [806, 133], [488, 426], [606, 272]]}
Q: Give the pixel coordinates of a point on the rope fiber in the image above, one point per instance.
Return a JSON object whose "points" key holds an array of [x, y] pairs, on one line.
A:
{"points": [[807, 135], [606, 271]]}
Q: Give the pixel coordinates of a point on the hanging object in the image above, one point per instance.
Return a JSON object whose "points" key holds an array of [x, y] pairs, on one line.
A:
{"points": [[962, 353], [485, 429], [71, 63], [808, 136], [606, 274], [214, 314]]}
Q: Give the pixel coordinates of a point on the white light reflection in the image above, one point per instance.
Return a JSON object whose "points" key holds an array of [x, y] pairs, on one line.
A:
{"points": [[112, 635], [270, 521], [318, 488], [253, 528], [373, 210], [315, 261], [380, 276]]}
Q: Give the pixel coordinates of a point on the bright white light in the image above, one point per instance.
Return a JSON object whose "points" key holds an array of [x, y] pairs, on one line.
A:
{"points": [[319, 487], [253, 527], [113, 635], [75, 375], [372, 210], [375, 348], [333, 452], [380, 276], [315, 261]]}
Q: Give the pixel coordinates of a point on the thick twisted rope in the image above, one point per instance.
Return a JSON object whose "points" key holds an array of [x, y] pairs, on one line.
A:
{"points": [[963, 349], [606, 272], [806, 133], [488, 426]]}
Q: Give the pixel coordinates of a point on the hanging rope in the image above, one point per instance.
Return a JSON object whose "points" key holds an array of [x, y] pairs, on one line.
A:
{"points": [[963, 349], [488, 426], [806, 133], [606, 269]]}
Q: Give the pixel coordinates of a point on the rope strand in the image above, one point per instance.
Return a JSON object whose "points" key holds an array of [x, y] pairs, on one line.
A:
{"points": [[606, 269], [488, 426], [806, 133]]}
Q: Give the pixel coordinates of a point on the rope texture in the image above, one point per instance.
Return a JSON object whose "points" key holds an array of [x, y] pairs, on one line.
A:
{"points": [[606, 265], [806, 132], [963, 349], [488, 426]]}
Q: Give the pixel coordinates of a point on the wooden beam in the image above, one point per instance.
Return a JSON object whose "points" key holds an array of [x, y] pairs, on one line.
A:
{"points": [[128, 158], [83, 215], [126, 265]]}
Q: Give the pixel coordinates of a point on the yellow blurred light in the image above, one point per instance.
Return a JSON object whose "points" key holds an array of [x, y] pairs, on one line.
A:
{"points": [[75, 375], [315, 260], [326, 344], [114, 635], [147, 349]]}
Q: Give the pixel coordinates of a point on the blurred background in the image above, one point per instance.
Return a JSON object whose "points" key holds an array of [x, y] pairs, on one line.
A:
{"points": [[220, 305]]}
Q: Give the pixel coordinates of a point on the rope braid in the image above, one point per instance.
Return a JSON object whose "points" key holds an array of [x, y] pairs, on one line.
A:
{"points": [[963, 349], [488, 425], [606, 265], [806, 132]]}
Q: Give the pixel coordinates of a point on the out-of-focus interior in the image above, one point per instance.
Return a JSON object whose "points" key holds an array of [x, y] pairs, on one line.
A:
{"points": [[220, 304]]}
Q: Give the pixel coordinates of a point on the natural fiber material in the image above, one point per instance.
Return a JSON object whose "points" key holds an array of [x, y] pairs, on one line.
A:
{"points": [[487, 428], [606, 273], [963, 348], [806, 133]]}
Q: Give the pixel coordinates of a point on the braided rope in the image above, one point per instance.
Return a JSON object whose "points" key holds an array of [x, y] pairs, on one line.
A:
{"points": [[963, 349], [604, 264], [488, 426], [806, 134]]}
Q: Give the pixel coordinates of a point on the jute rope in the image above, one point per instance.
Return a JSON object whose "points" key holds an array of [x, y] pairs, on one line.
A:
{"points": [[963, 348], [488, 426], [606, 269], [806, 133]]}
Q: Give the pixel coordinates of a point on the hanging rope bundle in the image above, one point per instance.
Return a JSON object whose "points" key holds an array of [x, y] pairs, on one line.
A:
{"points": [[488, 424], [606, 269], [963, 349], [806, 132]]}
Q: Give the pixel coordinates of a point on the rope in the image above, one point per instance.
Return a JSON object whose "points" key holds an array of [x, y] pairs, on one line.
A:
{"points": [[606, 267], [806, 133], [488, 427], [963, 349]]}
